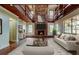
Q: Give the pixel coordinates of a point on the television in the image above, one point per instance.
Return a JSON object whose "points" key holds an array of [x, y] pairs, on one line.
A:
{"points": [[40, 26]]}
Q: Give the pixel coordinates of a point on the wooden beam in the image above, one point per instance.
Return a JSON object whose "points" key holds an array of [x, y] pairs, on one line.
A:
{"points": [[66, 10], [14, 10]]}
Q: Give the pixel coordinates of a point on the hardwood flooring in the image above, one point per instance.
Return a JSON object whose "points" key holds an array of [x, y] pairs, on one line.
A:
{"points": [[8, 49]]}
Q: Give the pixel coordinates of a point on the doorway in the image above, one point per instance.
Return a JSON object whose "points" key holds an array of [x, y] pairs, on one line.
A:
{"points": [[12, 31]]}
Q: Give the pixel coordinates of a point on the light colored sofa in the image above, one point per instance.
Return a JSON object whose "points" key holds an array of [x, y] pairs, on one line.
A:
{"points": [[68, 45]]}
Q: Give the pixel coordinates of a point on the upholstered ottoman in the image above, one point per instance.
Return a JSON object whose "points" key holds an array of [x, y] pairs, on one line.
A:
{"points": [[38, 51]]}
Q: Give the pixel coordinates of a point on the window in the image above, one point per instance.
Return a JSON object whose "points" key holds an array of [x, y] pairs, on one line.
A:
{"points": [[29, 28], [40, 18], [67, 25], [57, 28], [72, 25], [77, 25], [50, 28], [50, 14]]}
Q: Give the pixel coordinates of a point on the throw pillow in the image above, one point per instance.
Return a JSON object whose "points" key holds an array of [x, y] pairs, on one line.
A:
{"points": [[61, 37], [71, 38]]}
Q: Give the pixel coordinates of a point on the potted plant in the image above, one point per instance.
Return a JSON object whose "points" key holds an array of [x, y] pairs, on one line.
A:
{"points": [[54, 32]]}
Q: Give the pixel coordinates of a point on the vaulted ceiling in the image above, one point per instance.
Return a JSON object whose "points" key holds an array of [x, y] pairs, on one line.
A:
{"points": [[31, 12], [41, 10]]}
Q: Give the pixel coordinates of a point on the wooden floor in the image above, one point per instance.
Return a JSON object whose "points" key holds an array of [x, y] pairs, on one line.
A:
{"points": [[8, 49]]}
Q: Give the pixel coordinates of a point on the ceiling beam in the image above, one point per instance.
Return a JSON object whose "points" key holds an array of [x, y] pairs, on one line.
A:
{"points": [[14, 10]]}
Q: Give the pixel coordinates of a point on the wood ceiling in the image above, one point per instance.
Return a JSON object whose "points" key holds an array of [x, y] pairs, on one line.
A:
{"points": [[23, 10], [41, 9]]}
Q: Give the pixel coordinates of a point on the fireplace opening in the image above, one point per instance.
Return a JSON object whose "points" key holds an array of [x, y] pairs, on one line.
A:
{"points": [[40, 32]]}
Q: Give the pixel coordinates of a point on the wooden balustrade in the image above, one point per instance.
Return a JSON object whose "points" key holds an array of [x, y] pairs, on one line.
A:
{"points": [[18, 10], [63, 10]]}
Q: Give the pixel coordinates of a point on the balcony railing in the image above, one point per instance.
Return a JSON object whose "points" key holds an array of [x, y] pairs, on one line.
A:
{"points": [[24, 10], [66, 9], [20, 9]]}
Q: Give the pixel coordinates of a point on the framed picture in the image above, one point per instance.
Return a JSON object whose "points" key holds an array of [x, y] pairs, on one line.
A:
{"points": [[0, 26]]}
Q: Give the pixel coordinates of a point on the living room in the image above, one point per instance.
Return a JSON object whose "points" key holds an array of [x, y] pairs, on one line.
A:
{"points": [[50, 30], [66, 35]]}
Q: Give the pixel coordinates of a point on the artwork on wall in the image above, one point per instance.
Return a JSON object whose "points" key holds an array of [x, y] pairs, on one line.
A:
{"points": [[0, 26]]}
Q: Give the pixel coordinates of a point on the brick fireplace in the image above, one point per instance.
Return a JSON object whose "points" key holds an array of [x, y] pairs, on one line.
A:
{"points": [[41, 29]]}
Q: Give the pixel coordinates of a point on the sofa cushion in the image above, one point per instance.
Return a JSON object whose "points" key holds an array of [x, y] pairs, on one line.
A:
{"points": [[70, 38]]}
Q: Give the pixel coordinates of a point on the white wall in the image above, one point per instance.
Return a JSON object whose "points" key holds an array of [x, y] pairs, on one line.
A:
{"points": [[4, 37]]}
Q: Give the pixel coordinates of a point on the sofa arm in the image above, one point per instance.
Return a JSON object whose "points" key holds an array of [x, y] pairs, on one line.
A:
{"points": [[72, 45]]}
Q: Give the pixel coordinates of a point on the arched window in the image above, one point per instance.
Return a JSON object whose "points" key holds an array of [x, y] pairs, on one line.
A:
{"points": [[50, 14]]}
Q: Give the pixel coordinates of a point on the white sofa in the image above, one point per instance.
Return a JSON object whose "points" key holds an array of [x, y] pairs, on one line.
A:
{"points": [[68, 45]]}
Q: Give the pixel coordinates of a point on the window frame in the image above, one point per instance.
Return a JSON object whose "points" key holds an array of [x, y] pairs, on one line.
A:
{"points": [[49, 13]]}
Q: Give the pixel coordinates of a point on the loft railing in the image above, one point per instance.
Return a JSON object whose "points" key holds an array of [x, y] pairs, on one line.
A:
{"points": [[20, 9], [63, 10]]}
